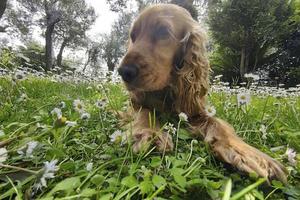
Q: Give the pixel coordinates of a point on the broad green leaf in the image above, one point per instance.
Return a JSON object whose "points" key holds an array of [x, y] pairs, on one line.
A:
{"points": [[176, 171], [277, 184], [184, 134], [98, 179], [55, 152], [106, 197], [158, 180], [155, 161], [146, 187], [180, 180], [215, 184], [66, 185], [88, 192], [178, 163], [129, 181]]}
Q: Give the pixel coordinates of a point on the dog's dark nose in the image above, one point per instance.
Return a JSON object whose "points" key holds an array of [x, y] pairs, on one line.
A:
{"points": [[128, 72]]}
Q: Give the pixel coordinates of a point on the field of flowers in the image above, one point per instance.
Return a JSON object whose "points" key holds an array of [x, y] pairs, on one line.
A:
{"points": [[61, 137]]}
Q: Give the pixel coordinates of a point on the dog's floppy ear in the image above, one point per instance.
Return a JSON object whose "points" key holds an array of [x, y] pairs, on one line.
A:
{"points": [[192, 76], [178, 61]]}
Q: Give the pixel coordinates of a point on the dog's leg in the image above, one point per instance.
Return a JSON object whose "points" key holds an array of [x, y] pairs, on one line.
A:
{"points": [[143, 132], [230, 148]]}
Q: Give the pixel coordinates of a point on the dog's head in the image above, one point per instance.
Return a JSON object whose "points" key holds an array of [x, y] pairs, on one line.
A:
{"points": [[166, 48]]}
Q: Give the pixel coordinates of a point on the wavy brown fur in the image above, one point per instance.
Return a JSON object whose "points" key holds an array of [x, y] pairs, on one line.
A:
{"points": [[191, 83], [166, 69]]}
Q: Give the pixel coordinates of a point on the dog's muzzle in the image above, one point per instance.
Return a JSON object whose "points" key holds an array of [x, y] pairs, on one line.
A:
{"points": [[128, 72]]}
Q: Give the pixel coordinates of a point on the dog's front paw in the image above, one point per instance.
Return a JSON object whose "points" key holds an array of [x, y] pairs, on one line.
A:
{"points": [[164, 142], [142, 140], [249, 159]]}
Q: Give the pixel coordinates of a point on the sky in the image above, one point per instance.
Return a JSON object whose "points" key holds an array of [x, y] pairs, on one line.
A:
{"points": [[103, 23], [105, 17]]}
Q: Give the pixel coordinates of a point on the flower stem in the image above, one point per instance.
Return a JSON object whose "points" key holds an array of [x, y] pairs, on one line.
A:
{"points": [[18, 168], [177, 132]]}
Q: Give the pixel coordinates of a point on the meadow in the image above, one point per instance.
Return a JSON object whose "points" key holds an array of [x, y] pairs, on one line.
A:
{"points": [[61, 137]]}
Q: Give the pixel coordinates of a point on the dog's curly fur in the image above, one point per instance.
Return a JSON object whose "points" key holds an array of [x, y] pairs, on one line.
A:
{"points": [[166, 69]]}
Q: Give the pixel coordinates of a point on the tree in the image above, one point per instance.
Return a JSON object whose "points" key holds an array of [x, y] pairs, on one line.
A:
{"points": [[114, 44], [284, 63], [247, 30], [76, 19], [2, 7], [93, 53], [14, 21], [190, 5], [50, 13]]}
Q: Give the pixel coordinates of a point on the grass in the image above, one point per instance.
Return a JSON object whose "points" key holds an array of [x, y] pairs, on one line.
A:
{"points": [[116, 173]]}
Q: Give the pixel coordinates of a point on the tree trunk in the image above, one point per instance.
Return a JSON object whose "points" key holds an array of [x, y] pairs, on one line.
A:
{"points": [[86, 64], [52, 17], [59, 55], [242, 63], [49, 48], [111, 66], [3, 4]]}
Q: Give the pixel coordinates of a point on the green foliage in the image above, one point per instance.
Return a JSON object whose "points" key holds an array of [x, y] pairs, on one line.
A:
{"points": [[7, 58], [190, 173], [33, 56], [114, 44], [246, 31], [225, 61]]}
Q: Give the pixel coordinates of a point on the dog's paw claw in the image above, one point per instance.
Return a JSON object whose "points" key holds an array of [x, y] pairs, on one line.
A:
{"points": [[164, 142], [141, 140], [249, 159]]}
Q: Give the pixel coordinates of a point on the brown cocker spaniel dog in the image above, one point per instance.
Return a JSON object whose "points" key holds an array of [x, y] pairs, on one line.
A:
{"points": [[166, 69]]}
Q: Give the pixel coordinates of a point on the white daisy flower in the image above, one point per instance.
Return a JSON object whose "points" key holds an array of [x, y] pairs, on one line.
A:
{"points": [[243, 98], [30, 147], [89, 166], [169, 128], [62, 104], [22, 98], [85, 116], [2, 133], [101, 103], [183, 117], [38, 125], [252, 76], [218, 76], [71, 123], [57, 113], [118, 137], [3, 155], [263, 130], [210, 110], [48, 172], [78, 105], [291, 155]]}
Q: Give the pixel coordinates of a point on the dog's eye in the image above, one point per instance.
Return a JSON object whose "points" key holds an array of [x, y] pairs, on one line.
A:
{"points": [[161, 33], [132, 36]]}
